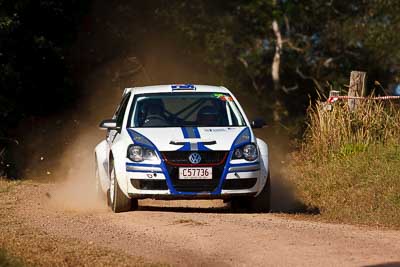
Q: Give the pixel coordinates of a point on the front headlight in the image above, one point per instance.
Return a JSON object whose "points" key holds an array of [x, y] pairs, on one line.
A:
{"points": [[139, 153], [250, 152], [247, 152]]}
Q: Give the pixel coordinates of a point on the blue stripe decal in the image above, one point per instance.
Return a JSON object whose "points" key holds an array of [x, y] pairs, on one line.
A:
{"points": [[163, 166], [185, 132], [227, 164], [164, 169], [196, 132], [186, 147], [144, 171], [143, 165], [245, 164], [252, 164], [133, 134], [139, 139], [243, 138], [255, 170], [192, 132], [202, 147]]}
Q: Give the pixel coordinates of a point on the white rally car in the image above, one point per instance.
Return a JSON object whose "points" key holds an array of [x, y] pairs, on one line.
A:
{"points": [[182, 142]]}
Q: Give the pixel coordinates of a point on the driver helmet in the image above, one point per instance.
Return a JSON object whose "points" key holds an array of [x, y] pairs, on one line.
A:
{"points": [[207, 116]]}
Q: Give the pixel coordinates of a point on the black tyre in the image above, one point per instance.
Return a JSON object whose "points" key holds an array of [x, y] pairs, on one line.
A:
{"points": [[118, 201], [262, 202], [99, 192], [258, 204]]}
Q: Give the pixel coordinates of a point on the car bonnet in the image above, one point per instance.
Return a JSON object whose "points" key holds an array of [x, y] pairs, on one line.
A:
{"points": [[190, 138]]}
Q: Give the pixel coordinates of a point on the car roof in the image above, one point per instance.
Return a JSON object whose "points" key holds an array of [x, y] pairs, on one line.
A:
{"points": [[170, 88]]}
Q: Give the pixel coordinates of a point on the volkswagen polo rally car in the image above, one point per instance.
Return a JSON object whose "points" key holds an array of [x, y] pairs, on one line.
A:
{"points": [[182, 142]]}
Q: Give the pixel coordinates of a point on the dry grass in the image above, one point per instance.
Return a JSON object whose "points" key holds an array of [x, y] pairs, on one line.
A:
{"points": [[7, 185], [9, 261], [349, 165], [342, 131]]}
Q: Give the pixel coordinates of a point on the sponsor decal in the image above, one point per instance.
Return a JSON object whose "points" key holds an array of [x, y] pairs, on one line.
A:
{"points": [[175, 87], [215, 130], [223, 97]]}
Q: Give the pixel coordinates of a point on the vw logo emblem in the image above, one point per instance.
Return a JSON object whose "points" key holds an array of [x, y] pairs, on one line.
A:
{"points": [[195, 158]]}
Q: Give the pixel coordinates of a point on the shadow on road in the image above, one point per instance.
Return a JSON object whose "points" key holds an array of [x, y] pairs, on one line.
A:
{"points": [[284, 199], [187, 209], [386, 264]]}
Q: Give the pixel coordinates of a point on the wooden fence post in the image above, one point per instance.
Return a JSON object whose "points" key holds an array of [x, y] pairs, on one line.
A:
{"points": [[357, 87]]}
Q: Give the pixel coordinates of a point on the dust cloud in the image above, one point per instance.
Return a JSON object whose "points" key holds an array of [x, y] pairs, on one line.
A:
{"points": [[74, 173], [70, 163], [76, 190], [283, 196]]}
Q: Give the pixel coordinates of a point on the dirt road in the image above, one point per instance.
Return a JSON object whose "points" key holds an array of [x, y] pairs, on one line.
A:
{"points": [[47, 235]]}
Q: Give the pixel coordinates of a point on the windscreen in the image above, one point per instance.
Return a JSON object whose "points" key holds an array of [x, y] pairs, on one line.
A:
{"points": [[185, 110]]}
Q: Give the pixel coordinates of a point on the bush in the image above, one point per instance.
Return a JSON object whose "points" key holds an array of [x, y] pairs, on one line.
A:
{"points": [[349, 164]]}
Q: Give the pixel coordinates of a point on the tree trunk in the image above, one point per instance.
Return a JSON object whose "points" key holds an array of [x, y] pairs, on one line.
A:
{"points": [[275, 72]]}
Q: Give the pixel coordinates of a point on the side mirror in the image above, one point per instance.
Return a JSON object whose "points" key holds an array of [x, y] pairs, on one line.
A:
{"points": [[109, 125], [258, 123]]}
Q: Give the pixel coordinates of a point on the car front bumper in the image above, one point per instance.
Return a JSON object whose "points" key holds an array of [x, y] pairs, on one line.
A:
{"points": [[157, 185]]}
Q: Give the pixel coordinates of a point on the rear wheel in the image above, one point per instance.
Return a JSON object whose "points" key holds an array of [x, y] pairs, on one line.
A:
{"points": [[260, 203], [117, 199]]}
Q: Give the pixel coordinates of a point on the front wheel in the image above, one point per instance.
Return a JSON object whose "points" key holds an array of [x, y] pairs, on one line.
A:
{"points": [[260, 203], [117, 199], [99, 191]]}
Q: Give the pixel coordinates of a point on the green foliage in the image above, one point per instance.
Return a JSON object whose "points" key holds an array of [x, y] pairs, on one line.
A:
{"points": [[43, 69], [348, 149], [34, 41], [323, 42]]}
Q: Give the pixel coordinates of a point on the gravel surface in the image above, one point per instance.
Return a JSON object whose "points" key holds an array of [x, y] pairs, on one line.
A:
{"points": [[182, 233]]}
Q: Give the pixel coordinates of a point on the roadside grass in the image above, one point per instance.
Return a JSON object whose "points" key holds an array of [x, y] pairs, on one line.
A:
{"points": [[8, 261], [7, 185], [349, 164]]}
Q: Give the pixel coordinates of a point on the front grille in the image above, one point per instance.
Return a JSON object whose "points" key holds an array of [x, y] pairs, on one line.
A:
{"points": [[145, 184], [214, 159], [182, 157], [232, 184]]}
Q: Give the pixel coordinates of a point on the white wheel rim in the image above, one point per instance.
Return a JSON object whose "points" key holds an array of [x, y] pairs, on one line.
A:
{"points": [[112, 185]]}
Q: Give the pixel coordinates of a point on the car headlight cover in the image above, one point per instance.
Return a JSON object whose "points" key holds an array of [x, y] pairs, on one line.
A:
{"points": [[250, 152], [238, 154], [139, 153], [247, 152]]}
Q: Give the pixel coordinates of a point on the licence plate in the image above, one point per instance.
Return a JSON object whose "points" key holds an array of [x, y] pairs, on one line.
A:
{"points": [[195, 173]]}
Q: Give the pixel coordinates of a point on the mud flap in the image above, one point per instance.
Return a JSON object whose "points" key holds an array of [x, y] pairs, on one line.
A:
{"points": [[263, 150]]}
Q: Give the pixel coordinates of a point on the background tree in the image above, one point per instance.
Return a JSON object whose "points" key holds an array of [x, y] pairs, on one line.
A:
{"points": [[314, 44], [278, 53]]}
